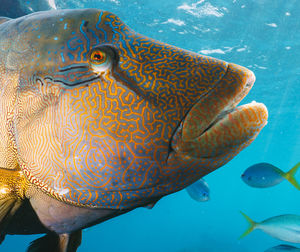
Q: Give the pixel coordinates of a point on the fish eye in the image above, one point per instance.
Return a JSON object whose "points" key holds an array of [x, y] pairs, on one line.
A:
{"points": [[102, 58], [98, 57]]}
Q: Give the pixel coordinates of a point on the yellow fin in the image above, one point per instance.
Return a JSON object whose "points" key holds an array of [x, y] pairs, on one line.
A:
{"points": [[12, 188], [290, 176], [8, 207], [251, 227]]}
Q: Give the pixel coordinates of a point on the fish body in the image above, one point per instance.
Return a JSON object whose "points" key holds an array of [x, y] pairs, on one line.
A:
{"points": [[283, 227], [199, 191], [263, 175], [97, 120], [122, 127], [283, 247]]}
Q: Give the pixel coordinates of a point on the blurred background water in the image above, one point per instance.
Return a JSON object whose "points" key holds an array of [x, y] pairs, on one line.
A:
{"points": [[261, 35]]}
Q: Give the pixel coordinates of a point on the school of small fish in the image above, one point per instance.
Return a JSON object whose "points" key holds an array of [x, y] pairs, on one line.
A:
{"points": [[284, 227]]}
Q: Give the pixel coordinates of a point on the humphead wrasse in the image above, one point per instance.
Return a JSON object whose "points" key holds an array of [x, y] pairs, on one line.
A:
{"points": [[97, 120]]}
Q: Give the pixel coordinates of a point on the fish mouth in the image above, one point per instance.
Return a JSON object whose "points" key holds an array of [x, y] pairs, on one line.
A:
{"points": [[215, 125]]}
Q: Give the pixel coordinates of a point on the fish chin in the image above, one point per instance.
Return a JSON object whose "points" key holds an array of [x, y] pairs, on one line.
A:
{"points": [[215, 125]]}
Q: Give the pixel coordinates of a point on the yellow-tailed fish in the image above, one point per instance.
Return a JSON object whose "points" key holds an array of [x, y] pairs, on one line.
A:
{"points": [[283, 227], [263, 175]]}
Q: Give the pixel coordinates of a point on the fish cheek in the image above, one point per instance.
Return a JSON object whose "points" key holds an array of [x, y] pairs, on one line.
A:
{"points": [[37, 138], [89, 149], [34, 101]]}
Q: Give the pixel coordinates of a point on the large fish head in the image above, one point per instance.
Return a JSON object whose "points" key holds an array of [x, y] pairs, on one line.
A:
{"points": [[108, 118]]}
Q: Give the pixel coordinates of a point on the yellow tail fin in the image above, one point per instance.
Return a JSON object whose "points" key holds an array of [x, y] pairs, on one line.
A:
{"points": [[251, 227], [290, 176]]}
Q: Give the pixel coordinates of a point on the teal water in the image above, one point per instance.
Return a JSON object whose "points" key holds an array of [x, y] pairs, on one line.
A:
{"points": [[261, 35]]}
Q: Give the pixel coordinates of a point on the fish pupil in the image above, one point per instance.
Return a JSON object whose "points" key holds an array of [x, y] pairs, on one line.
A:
{"points": [[98, 57]]}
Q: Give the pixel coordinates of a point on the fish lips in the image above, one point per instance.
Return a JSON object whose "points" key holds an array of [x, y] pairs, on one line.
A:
{"points": [[215, 125]]}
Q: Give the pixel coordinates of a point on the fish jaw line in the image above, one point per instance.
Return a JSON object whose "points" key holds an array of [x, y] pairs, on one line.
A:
{"points": [[232, 132], [224, 96], [215, 125]]}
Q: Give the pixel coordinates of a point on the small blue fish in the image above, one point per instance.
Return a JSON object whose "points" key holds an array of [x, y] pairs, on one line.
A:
{"points": [[199, 190], [283, 227], [264, 175], [283, 248]]}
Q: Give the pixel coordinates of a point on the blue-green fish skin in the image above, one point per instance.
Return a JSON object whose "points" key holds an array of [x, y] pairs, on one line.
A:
{"points": [[199, 191], [283, 247], [283, 227], [264, 175]]}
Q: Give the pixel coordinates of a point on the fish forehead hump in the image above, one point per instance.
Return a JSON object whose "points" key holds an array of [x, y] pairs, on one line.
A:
{"points": [[99, 139], [53, 40]]}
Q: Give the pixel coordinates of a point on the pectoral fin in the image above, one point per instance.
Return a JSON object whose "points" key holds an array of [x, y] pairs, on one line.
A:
{"points": [[8, 207], [53, 242], [12, 187]]}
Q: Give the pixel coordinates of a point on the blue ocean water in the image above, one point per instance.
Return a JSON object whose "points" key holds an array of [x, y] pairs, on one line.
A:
{"points": [[261, 35]]}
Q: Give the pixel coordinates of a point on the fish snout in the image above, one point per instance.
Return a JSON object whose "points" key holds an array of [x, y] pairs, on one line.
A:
{"points": [[215, 126]]}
